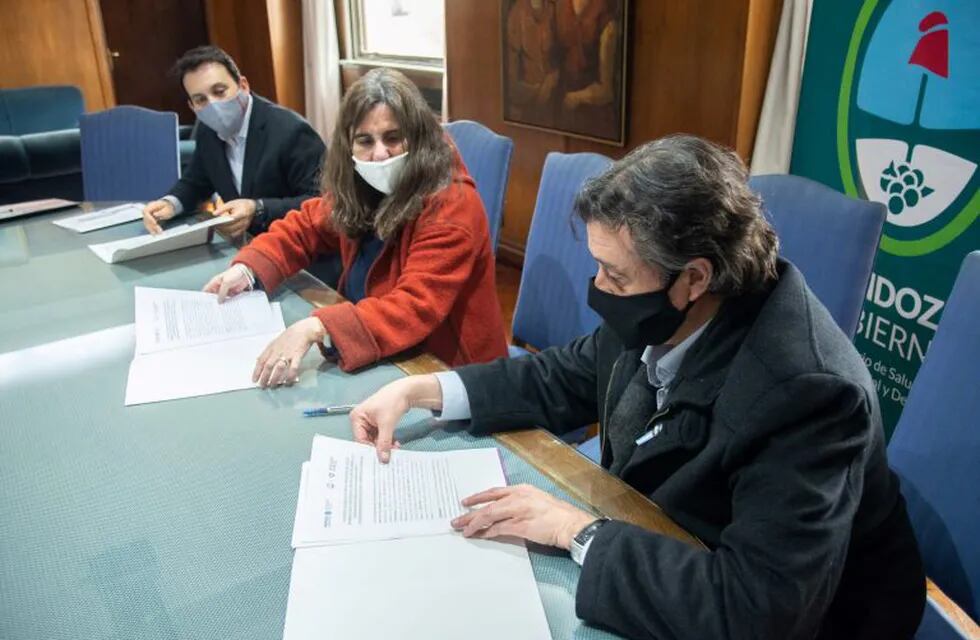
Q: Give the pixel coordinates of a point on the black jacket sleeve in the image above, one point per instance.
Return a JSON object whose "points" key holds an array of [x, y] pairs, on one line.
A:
{"points": [[794, 492], [554, 389], [301, 165], [194, 186]]}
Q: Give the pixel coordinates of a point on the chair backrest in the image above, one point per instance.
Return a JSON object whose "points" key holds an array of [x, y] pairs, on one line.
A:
{"points": [[39, 109], [487, 157], [552, 307], [935, 449], [831, 238], [129, 153]]}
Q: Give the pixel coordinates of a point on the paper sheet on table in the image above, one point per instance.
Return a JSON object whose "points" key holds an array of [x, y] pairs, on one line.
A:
{"points": [[180, 237], [176, 318], [349, 496], [17, 209], [442, 587], [437, 587], [102, 218], [204, 369]]}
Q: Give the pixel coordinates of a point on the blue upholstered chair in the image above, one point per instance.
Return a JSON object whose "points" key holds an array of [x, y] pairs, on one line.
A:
{"points": [[487, 156], [935, 449], [552, 304], [831, 238], [129, 153]]}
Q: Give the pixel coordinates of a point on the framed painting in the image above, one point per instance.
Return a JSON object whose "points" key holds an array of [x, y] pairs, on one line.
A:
{"points": [[564, 66]]}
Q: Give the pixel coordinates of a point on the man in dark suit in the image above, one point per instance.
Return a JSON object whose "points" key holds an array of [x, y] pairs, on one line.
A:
{"points": [[726, 393], [262, 159]]}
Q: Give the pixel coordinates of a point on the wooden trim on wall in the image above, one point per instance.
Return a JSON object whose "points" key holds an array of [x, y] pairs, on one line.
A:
{"points": [[510, 253], [286, 48], [101, 49], [760, 39]]}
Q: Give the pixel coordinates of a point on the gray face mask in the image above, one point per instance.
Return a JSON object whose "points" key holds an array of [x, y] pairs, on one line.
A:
{"points": [[225, 117]]}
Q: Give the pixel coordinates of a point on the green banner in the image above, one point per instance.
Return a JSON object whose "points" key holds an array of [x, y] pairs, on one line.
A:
{"points": [[890, 112]]}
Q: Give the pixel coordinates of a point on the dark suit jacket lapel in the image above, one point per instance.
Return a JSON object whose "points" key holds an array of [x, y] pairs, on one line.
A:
{"points": [[254, 145]]}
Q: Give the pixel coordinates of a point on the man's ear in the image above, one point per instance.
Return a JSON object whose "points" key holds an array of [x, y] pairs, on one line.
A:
{"points": [[244, 84], [699, 273]]}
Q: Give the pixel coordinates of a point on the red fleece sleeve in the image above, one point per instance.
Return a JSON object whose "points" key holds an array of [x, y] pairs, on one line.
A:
{"points": [[290, 244], [440, 260]]}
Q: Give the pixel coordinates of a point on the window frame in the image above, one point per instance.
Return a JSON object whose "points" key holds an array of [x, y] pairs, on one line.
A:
{"points": [[355, 36]]}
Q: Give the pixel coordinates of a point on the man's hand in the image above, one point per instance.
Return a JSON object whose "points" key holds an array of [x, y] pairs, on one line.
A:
{"points": [[279, 363], [373, 421], [525, 512], [241, 212], [229, 282], [156, 212]]}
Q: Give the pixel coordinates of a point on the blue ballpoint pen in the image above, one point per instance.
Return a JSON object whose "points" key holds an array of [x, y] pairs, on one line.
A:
{"points": [[328, 411]]}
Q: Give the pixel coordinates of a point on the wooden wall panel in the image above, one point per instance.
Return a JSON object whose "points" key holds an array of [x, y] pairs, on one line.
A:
{"points": [[686, 62], [55, 42], [241, 27], [286, 40]]}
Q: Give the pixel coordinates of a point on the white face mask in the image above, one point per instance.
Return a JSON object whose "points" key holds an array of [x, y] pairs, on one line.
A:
{"points": [[225, 117], [382, 175]]}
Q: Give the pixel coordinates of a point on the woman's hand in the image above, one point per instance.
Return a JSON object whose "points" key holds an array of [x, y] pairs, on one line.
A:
{"points": [[230, 282], [525, 512], [279, 363], [373, 421]]}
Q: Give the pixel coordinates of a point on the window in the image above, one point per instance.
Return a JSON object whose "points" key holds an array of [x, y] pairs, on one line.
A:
{"points": [[398, 32]]}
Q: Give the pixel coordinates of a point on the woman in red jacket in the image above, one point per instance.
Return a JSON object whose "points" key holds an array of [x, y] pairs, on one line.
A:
{"points": [[412, 234]]}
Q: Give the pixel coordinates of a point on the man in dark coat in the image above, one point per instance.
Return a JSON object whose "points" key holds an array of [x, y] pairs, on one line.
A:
{"points": [[261, 158], [725, 392]]}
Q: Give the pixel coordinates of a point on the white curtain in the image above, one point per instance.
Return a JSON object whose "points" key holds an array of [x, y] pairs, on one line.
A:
{"points": [[321, 59], [777, 122]]}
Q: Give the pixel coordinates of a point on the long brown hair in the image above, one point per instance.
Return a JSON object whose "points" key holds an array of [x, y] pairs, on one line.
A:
{"points": [[428, 167]]}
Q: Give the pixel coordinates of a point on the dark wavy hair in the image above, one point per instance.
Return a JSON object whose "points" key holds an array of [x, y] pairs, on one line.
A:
{"points": [[683, 197], [194, 58], [427, 169]]}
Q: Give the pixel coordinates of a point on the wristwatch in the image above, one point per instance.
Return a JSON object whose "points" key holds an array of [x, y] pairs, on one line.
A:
{"points": [[259, 212], [580, 543]]}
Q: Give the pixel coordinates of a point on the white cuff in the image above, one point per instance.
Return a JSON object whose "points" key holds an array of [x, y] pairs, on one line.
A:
{"points": [[175, 203], [244, 268], [455, 401], [585, 550]]}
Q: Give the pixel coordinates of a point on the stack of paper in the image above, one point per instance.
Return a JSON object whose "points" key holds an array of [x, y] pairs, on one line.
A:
{"points": [[17, 209], [372, 537], [185, 235], [102, 218], [189, 345]]}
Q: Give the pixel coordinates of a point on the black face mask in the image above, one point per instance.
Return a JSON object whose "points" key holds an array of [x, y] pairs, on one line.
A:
{"points": [[639, 320]]}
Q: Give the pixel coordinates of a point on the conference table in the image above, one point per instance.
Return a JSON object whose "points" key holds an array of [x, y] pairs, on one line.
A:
{"points": [[173, 519]]}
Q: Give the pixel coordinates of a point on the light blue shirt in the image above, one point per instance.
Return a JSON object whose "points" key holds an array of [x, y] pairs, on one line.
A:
{"points": [[234, 152], [662, 363]]}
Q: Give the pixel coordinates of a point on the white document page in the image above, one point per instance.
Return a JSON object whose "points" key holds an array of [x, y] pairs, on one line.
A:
{"points": [[102, 218], [350, 496], [442, 587], [438, 587], [17, 209], [204, 369], [180, 237], [175, 318]]}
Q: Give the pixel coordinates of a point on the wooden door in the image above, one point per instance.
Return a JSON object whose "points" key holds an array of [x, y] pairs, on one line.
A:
{"points": [[144, 40]]}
